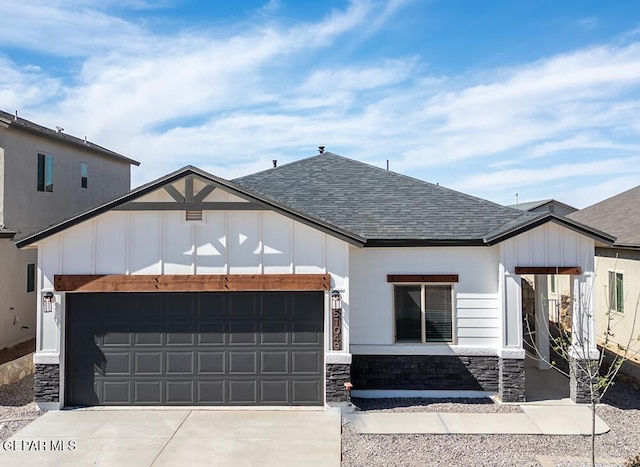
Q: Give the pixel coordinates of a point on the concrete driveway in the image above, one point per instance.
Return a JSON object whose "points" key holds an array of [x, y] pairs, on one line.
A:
{"points": [[177, 437]]}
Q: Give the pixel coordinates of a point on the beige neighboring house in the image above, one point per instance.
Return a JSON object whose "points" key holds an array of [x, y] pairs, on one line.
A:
{"points": [[617, 268], [45, 176]]}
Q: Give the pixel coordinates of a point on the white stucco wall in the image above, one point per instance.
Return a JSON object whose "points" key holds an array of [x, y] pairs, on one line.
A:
{"points": [[477, 323], [162, 242]]}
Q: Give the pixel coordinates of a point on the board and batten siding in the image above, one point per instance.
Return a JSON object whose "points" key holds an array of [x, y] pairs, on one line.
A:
{"points": [[477, 322], [548, 245], [163, 242]]}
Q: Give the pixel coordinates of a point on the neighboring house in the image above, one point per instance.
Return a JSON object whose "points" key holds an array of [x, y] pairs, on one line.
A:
{"points": [[617, 274], [280, 287], [545, 205], [45, 177]]}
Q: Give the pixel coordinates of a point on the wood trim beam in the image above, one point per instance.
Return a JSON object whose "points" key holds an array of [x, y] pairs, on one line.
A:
{"points": [[555, 270], [202, 194], [191, 283], [188, 206], [422, 278], [174, 193]]}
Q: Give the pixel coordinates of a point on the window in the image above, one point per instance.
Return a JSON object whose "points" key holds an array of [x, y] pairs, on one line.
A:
{"points": [[553, 284], [616, 292], [84, 174], [424, 313], [31, 277], [45, 172]]}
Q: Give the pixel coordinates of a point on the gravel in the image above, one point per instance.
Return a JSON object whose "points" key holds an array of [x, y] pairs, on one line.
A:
{"points": [[620, 410], [17, 408]]}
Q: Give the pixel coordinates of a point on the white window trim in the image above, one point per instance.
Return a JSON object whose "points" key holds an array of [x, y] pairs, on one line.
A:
{"points": [[614, 308], [423, 323]]}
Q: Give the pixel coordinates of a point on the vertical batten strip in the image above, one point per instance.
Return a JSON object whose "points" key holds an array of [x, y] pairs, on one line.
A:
{"points": [[261, 242], [292, 267], [127, 243], [94, 243]]}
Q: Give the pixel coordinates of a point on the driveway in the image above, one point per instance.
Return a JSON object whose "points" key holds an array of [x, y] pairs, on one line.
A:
{"points": [[161, 437]]}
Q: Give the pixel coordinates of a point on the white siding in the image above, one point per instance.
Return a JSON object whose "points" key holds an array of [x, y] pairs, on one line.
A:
{"points": [[477, 307], [162, 242]]}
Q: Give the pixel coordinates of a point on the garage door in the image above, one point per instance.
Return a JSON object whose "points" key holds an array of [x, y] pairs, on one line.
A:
{"points": [[245, 348]]}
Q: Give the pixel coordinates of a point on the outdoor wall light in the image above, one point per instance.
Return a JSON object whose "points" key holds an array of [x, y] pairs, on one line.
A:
{"points": [[48, 299], [336, 301]]}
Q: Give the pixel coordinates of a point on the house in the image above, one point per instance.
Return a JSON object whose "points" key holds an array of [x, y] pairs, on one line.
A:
{"points": [[617, 273], [45, 176], [279, 287]]}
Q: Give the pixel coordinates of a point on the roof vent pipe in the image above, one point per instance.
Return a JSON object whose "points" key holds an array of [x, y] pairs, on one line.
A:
{"points": [[387, 164], [321, 149], [59, 129], [275, 163], [16, 117]]}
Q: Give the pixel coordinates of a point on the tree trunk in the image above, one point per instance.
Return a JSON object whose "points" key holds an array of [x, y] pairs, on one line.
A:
{"points": [[593, 432]]}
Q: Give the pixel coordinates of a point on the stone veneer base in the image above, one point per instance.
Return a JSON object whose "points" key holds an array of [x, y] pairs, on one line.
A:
{"points": [[511, 380], [425, 372], [337, 375], [47, 382]]}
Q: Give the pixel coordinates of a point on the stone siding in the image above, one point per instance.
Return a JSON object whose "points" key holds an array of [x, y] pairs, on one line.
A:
{"points": [[511, 386], [47, 383], [425, 372], [579, 381], [337, 375], [13, 371]]}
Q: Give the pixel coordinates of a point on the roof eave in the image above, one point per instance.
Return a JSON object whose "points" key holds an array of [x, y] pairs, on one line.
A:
{"points": [[422, 242], [545, 217], [79, 143]]}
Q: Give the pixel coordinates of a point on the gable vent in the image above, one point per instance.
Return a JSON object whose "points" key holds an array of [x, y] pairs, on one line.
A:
{"points": [[193, 215]]}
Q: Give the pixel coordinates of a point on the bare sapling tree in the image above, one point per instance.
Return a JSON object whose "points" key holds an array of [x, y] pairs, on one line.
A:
{"points": [[574, 350]]}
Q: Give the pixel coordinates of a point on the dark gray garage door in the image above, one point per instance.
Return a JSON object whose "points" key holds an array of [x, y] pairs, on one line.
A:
{"points": [[245, 348]]}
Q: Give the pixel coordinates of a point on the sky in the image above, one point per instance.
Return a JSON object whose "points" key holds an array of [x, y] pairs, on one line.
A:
{"points": [[501, 99]]}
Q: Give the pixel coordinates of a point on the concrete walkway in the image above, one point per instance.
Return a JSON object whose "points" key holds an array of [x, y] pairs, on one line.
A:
{"points": [[535, 420], [140, 437]]}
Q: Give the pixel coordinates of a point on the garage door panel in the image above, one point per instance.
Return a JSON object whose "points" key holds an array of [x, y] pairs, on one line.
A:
{"points": [[205, 348], [243, 392], [274, 362], [274, 392], [148, 363], [117, 363], [242, 362], [212, 392], [211, 333], [211, 363], [116, 392], [179, 363], [243, 333], [274, 332], [180, 392], [305, 391], [148, 392]]}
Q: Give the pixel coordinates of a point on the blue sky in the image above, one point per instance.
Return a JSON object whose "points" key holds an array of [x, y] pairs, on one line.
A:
{"points": [[493, 98]]}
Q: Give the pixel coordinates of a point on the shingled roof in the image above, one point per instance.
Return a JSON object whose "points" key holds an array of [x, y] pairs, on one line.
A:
{"points": [[618, 215], [382, 206], [361, 204], [13, 121]]}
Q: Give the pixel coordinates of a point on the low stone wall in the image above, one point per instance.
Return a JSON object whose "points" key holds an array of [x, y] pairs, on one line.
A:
{"points": [[13, 371], [425, 372]]}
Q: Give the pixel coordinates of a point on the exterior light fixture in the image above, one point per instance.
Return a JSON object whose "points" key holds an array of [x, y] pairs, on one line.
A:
{"points": [[336, 301], [48, 299], [336, 320]]}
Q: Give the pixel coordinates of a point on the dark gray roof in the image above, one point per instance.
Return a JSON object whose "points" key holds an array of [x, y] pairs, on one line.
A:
{"points": [[618, 215], [381, 205], [7, 233], [359, 203], [534, 205], [28, 126]]}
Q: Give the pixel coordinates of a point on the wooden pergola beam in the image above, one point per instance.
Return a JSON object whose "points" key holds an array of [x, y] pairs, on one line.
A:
{"points": [[191, 283], [422, 278], [550, 270]]}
